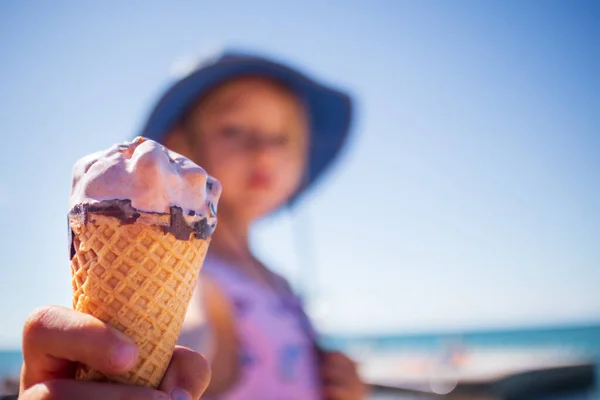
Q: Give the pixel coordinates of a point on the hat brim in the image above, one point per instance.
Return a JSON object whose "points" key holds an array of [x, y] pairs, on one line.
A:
{"points": [[330, 110]]}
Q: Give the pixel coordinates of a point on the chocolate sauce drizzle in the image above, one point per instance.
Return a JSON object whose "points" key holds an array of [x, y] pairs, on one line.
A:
{"points": [[127, 214]]}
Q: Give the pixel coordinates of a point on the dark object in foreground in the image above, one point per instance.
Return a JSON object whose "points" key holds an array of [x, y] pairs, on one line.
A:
{"points": [[9, 385]]}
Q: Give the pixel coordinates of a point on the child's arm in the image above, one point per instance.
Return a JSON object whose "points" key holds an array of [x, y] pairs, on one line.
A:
{"points": [[210, 329]]}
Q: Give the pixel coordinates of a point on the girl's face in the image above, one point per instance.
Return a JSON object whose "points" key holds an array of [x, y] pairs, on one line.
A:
{"points": [[252, 135]]}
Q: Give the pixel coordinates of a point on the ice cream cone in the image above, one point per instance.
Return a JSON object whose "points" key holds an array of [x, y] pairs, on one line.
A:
{"points": [[140, 221], [137, 277]]}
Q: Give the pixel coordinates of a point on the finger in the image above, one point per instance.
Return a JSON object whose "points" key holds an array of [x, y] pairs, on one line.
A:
{"points": [[188, 375], [56, 337], [336, 392], [69, 389], [337, 364], [335, 374]]}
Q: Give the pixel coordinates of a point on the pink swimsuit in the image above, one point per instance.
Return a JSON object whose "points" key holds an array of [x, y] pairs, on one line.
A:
{"points": [[277, 357]]}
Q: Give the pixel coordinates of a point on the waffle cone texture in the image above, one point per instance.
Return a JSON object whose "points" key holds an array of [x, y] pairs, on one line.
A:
{"points": [[139, 279]]}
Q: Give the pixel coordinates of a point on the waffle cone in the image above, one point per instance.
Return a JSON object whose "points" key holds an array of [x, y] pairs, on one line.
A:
{"points": [[138, 279]]}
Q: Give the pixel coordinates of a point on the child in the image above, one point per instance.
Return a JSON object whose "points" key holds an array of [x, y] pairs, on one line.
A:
{"points": [[267, 133]]}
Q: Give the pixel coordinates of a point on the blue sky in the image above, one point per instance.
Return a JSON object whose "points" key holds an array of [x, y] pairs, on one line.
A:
{"points": [[470, 193]]}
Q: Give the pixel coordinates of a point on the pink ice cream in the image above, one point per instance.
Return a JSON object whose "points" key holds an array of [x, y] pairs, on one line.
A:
{"points": [[151, 177]]}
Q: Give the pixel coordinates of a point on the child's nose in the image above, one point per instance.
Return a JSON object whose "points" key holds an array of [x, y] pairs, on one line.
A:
{"points": [[263, 150]]}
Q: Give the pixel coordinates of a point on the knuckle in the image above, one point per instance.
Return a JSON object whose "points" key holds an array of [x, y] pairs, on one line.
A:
{"points": [[192, 368], [197, 362], [37, 323], [200, 362]]}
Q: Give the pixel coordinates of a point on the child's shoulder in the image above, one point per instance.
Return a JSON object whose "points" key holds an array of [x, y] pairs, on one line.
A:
{"points": [[225, 274]]}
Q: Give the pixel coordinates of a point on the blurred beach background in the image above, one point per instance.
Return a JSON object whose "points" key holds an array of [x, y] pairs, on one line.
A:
{"points": [[465, 210]]}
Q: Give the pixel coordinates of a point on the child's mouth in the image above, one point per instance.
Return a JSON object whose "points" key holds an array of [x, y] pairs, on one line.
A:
{"points": [[260, 180]]}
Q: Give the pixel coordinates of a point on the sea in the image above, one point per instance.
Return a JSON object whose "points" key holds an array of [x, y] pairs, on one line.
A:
{"points": [[581, 341]]}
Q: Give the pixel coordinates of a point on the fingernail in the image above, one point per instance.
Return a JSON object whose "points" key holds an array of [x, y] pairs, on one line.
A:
{"points": [[180, 394], [123, 356]]}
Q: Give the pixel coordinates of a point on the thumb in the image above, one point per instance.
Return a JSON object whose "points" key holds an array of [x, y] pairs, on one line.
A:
{"points": [[188, 375]]}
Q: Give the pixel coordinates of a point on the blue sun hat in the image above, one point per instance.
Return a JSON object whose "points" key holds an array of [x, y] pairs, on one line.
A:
{"points": [[329, 110]]}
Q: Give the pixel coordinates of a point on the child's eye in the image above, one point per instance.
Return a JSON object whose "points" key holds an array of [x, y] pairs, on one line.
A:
{"points": [[232, 132]]}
